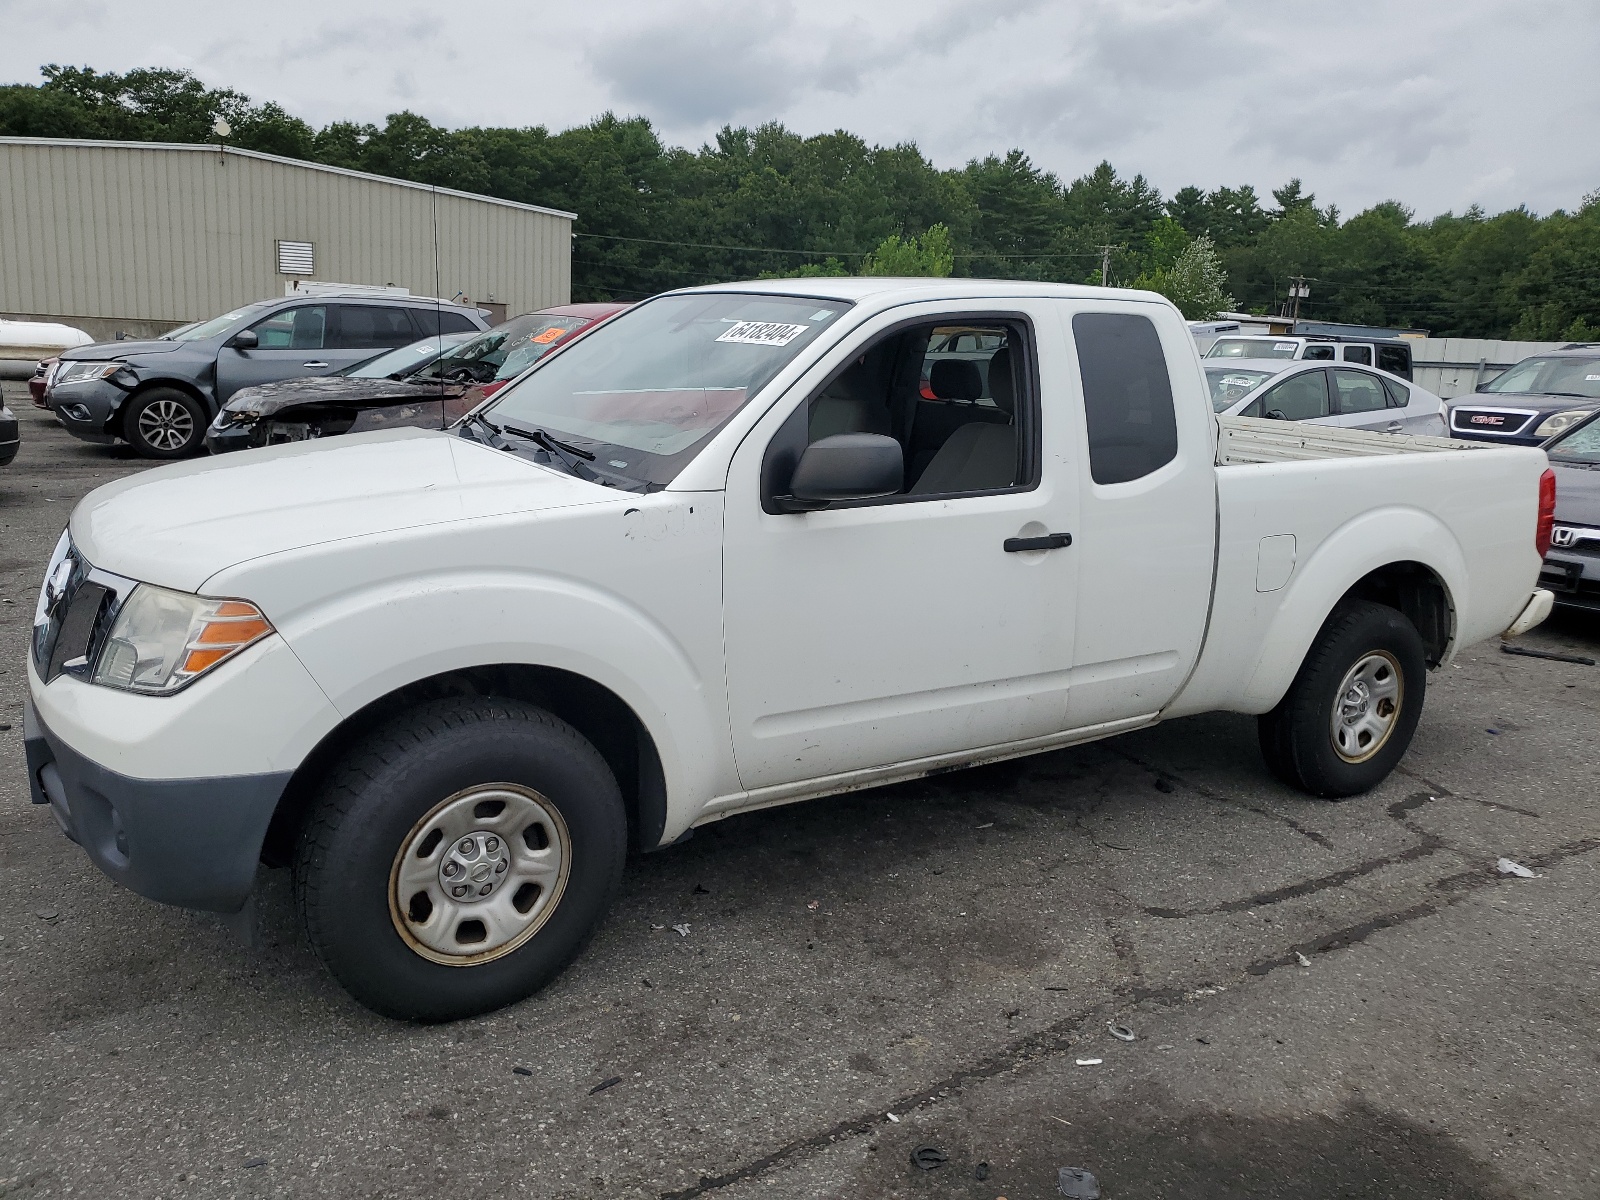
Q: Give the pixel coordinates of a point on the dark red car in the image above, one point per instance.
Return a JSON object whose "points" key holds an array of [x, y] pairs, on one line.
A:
{"points": [[37, 381], [429, 390]]}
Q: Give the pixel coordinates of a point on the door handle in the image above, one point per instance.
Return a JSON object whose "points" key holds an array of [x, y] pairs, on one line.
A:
{"points": [[1050, 541], [1394, 427], [314, 364]]}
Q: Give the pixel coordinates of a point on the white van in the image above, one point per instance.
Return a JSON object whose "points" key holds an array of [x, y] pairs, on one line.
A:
{"points": [[1393, 356]]}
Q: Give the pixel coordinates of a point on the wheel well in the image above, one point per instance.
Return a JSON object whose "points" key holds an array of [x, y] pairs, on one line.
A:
{"points": [[177, 385], [594, 711], [1418, 593]]}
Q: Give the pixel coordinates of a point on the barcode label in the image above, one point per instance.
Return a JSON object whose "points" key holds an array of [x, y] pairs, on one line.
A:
{"points": [[763, 333]]}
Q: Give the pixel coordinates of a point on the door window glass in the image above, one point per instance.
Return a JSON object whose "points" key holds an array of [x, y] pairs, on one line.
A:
{"points": [[1358, 354], [956, 398], [1397, 393], [438, 320], [1359, 392], [1396, 360], [369, 327], [1127, 396], [1302, 398], [293, 329], [1322, 352]]}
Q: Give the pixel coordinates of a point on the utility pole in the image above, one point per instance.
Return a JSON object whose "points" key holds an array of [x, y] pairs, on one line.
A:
{"points": [[1105, 264], [1299, 289]]}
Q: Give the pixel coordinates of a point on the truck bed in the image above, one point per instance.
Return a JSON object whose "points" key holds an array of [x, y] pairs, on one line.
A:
{"points": [[1245, 440]]}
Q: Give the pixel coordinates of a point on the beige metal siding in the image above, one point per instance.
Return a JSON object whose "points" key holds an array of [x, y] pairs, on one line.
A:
{"points": [[177, 233]]}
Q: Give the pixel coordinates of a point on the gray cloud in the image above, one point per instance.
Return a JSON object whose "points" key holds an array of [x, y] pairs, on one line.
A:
{"points": [[1440, 103]]}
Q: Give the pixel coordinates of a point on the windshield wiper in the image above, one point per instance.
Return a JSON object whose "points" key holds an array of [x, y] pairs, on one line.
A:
{"points": [[549, 442], [489, 433], [570, 457]]}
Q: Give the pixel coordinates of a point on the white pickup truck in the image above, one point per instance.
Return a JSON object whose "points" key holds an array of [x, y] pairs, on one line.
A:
{"points": [[741, 546]]}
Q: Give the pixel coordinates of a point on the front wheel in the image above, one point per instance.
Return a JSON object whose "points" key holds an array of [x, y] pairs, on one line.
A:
{"points": [[1348, 718], [164, 423], [459, 858]]}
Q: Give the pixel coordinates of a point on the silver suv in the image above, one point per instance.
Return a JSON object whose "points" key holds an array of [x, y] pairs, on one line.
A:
{"points": [[160, 395]]}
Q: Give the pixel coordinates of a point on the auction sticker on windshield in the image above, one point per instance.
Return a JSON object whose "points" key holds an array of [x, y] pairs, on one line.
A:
{"points": [[763, 333]]}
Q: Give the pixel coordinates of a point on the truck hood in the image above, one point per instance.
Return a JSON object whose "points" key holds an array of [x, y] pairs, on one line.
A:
{"points": [[269, 398], [1538, 400], [104, 351], [179, 525], [1577, 495]]}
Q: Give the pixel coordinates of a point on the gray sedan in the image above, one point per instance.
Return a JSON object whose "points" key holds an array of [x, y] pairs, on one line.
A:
{"points": [[1349, 397]]}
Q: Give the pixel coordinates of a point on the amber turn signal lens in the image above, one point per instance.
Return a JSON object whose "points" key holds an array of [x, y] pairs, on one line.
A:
{"points": [[232, 626]]}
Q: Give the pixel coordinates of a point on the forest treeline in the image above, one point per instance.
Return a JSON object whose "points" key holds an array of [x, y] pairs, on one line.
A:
{"points": [[767, 201]]}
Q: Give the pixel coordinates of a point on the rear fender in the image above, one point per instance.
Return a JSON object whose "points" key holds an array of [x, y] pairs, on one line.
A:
{"points": [[1370, 541]]}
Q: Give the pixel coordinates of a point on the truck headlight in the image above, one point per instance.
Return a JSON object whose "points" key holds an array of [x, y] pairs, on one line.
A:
{"points": [[164, 640], [82, 372], [1551, 426]]}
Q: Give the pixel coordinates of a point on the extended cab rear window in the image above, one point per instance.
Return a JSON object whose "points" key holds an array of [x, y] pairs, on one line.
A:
{"points": [[1127, 396]]}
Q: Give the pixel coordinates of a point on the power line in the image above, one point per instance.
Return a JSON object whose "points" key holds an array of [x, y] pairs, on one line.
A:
{"points": [[617, 237]]}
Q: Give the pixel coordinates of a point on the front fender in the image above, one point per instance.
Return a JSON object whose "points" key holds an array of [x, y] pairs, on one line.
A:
{"points": [[1355, 549], [369, 643]]}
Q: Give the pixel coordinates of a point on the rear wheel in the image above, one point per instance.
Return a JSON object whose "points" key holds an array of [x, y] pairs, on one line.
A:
{"points": [[1349, 716], [459, 858], [164, 423]]}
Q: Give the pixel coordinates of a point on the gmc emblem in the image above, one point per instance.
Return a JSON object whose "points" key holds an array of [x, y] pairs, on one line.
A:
{"points": [[1486, 419]]}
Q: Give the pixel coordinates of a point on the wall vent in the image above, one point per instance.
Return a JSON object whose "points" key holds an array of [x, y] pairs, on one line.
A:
{"points": [[296, 258]]}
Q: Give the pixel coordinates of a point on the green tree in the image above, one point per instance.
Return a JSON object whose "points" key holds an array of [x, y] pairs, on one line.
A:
{"points": [[931, 254], [1196, 281]]}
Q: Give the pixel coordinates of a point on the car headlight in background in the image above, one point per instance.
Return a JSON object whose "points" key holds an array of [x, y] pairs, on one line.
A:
{"points": [[83, 372], [1561, 422], [163, 640]]}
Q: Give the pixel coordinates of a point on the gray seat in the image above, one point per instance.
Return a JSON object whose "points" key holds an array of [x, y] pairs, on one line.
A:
{"points": [[848, 405], [979, 456]]}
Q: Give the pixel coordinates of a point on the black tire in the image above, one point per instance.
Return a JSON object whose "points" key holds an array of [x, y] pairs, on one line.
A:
{"points": [[164, 423], [385, 789], [1297, 737]]}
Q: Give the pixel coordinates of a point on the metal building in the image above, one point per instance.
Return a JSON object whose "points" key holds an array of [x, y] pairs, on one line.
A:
{"points": [[136, 237]]}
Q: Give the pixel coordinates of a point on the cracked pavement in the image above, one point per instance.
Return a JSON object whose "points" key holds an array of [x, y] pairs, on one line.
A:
{"points": [[1328, 999]]}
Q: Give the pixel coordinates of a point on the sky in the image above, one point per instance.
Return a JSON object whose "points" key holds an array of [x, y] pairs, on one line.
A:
{"points": [[1440, 104]]}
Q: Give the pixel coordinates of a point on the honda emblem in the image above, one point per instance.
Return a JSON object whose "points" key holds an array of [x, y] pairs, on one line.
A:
{"points": [[1563, 535]]}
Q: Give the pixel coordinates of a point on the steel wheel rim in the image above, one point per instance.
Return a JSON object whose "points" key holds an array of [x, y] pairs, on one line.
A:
{"points": [[166, 424], [1366, 708], [479, 827]]}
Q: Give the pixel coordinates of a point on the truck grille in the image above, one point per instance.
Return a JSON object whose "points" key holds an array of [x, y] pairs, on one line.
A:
{"points": [[1489, 420], [75, 612]]}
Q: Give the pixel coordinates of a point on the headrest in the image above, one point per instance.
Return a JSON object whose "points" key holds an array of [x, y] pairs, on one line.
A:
{"points": [[1002, 387], [955, 379]]}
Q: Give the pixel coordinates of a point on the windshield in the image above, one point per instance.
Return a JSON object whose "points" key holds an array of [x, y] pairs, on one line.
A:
{"points": [[1581, 445], [205, 329], [508, 349], [1556, 376], [647, 388], [406, 359], [1229, 385], [1251, 348]]}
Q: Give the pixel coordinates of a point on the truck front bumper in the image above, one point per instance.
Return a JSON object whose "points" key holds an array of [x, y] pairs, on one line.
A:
{"points": [[191, 842]]}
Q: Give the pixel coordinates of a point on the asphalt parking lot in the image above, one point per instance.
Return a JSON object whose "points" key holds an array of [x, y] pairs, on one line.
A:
{"points": [[1326, 999]]}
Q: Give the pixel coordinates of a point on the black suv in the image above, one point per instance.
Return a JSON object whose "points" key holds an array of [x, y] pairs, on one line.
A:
{"points": [[159, 396], [1533, 401]]}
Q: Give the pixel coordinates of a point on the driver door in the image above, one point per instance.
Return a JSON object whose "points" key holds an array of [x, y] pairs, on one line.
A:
{"points": [[291, 343], [897, 629]]}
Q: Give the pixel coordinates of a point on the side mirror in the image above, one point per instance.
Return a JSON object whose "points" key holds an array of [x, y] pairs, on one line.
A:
{"points": [[1482, 387], [846, 466], [245, 339]]}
